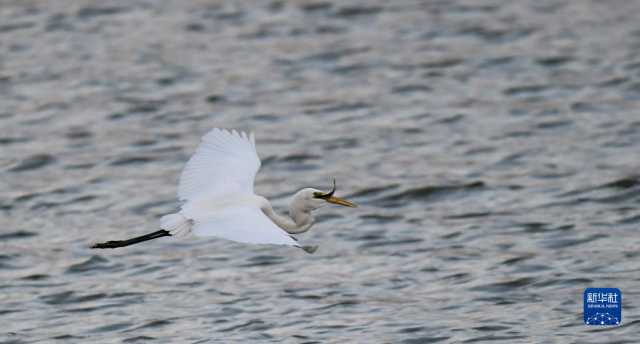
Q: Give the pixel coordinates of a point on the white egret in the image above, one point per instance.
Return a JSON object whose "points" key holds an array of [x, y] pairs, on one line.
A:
{"points": [[216, 187]]}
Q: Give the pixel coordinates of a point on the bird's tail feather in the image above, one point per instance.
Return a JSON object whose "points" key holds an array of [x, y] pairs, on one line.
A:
{"points": [[176, 224]]}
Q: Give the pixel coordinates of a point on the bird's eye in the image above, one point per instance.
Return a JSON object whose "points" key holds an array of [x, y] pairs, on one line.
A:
{"points": [[318, 195]]}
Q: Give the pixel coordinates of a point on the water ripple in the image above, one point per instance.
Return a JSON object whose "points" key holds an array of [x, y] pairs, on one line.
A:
{"points": [[491, 147]]}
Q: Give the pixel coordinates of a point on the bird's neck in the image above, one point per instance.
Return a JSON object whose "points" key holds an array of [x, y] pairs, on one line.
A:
{"points": [[298, 222], [302, 218]]}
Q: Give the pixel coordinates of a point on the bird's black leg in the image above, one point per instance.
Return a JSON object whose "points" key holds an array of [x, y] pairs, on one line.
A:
{"points": [[122, 243]]}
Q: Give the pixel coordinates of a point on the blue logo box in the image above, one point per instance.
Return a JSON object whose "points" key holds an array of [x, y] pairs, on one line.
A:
{"points": [[602, 306]]}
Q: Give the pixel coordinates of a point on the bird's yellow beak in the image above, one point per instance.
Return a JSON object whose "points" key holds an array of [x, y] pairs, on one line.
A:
{"points": [[340, 201], [332, 199]]}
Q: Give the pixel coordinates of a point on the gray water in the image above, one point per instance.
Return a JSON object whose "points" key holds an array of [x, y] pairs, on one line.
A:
{"points": [[493, 148]]}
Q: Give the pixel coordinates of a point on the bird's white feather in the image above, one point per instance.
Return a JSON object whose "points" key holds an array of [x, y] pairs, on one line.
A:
{"points": [[246, 224], [176, 224], [225, 162]]}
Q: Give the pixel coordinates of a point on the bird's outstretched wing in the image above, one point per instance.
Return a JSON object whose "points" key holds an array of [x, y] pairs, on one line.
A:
{"points": [[225, 162], [245, 224]]}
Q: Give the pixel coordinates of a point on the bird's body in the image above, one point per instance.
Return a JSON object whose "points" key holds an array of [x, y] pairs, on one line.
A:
{"points": [[216, 187]]}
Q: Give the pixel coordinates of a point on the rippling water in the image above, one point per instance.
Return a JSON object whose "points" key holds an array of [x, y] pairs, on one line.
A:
{"points": [[493, 148]]}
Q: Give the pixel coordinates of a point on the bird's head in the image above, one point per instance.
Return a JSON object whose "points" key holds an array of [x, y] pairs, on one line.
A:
{"points": [[310, 198]]}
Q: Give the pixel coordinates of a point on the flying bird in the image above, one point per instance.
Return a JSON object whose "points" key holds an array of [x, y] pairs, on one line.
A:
{"points": [[216, 188]]}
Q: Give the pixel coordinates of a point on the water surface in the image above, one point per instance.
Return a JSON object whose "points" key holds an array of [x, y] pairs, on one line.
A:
{"points": [[492, 147]]}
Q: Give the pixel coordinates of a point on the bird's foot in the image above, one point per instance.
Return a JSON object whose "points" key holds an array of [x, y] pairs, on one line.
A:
{"points": [[309, 249]]}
